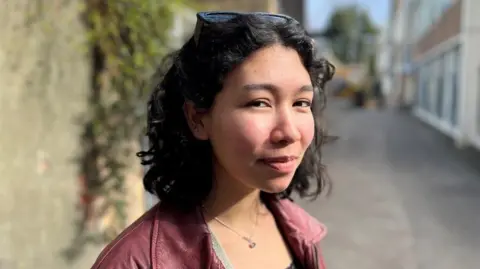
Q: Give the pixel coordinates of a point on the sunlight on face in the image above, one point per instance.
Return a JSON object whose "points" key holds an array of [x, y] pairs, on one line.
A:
{"points": [[261, 123]]}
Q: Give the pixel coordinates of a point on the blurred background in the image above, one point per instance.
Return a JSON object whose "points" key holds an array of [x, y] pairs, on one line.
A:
{"points": [[405, 103]]}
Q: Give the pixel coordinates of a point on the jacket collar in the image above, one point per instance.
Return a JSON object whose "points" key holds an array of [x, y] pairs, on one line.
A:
{"points": [[183, 240], [294, 221], [300, 230]]}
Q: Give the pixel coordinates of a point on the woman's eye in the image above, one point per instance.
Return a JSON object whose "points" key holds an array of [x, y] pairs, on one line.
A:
{"points": [[259, 103], [303, 103]]}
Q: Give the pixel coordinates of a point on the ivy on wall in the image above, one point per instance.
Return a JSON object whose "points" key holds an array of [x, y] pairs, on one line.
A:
{"points": [[127, 40]]}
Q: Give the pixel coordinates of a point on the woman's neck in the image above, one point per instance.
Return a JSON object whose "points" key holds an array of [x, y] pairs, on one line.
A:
{"points": [[234, 203]]}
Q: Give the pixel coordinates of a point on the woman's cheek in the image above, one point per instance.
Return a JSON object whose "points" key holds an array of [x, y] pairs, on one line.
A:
{"points": [[306, 126], [250, 132]]}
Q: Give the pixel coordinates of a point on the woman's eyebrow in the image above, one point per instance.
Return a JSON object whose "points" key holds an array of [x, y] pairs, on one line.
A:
{"points": [[272, 87]]}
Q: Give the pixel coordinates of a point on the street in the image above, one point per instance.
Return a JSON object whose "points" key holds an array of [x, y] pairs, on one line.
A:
{"points": [[403, 196]]}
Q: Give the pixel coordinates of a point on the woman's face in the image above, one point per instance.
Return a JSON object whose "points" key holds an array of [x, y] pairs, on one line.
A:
{"points": [[261, 124]]}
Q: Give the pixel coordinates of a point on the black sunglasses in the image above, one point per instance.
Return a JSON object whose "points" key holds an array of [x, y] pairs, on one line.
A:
{"points": [[206, 18]]}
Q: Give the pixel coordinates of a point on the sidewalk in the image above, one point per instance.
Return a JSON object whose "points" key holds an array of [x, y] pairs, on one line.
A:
{"points": [[403, 196]]}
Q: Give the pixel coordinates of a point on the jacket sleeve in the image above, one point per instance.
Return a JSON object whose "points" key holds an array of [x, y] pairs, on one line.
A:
{"points": [[120, 263], [135, 255]]}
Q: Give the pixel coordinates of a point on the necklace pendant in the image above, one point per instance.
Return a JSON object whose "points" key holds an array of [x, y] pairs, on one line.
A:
{"points": [[250, 242]]}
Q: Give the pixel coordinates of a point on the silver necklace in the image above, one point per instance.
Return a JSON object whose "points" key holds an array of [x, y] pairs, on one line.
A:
{"points": [[251, 243]]}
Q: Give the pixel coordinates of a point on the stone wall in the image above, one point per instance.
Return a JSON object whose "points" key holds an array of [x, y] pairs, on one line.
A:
{"points": [[45, 84], [44, 80]]}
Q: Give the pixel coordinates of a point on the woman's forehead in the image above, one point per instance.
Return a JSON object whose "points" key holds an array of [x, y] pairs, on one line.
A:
{"points": [[274, 65]]}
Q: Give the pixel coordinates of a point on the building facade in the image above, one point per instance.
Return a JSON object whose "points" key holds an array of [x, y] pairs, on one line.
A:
{"points": [[392, 45], [439, 74], [383, 61]]}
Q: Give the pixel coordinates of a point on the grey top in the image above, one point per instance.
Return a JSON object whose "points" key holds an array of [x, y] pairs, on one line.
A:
{"points": [[222, 255]]}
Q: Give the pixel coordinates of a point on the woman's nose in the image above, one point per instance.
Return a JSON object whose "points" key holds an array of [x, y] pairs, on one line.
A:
{"points": [[285, 131]]}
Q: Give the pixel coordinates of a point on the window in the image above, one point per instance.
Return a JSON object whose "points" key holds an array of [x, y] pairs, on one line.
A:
{"points": [[478, 102], [455, 90], [434, 86], [418, 85], [440, 86], [447, 85], [453, 118], [446, 4], [424, 88], [430, 88]]}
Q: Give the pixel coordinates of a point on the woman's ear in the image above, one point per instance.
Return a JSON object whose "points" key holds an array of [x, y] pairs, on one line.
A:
{"points": [[195, 120]]}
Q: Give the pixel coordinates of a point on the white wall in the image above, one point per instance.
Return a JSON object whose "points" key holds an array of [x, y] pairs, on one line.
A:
{"points": [[470, 98], [384, 56]]}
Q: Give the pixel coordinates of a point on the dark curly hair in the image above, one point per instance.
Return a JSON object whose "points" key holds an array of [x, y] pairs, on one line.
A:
{"points": [[180, 166]]}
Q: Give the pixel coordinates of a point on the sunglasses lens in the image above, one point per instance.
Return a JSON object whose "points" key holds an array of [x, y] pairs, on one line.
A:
{"points": [[277, 18], [220, 17], [223, 17]]}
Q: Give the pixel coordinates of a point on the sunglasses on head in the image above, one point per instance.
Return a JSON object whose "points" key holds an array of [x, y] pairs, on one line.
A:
{"points": [[206, 18]]}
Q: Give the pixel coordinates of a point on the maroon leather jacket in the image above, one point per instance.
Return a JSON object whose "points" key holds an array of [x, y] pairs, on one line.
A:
{"points": [[165, 238]]}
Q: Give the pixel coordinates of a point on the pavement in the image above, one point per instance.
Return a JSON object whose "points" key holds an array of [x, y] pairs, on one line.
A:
{"points": [[403, 196]]}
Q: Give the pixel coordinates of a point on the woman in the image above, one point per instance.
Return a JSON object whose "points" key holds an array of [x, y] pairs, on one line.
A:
{"points": [[233, 133]]}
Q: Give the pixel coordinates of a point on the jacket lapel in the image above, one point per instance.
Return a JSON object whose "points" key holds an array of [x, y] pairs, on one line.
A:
{"points": [[182, 240], [301, 231]]}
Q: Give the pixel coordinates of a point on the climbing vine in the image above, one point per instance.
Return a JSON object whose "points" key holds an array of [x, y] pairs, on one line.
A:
{"points": [[127, 40]]}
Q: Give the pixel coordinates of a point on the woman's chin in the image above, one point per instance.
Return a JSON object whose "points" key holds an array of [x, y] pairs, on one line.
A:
{"points": [[275, 186]]}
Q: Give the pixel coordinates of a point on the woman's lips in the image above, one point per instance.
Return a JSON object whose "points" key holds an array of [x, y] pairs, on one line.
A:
{"points": [[282, 164]]}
